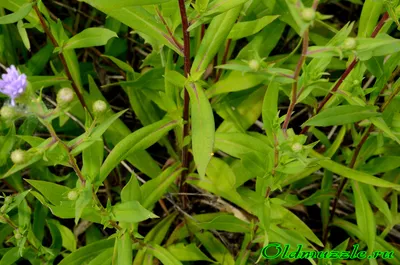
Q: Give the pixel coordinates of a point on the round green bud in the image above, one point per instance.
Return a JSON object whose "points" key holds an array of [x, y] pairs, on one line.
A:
{"points": [[72, 195], [297, 147], [65, 96], [254, 65], [18, 236], [308, 14], [99, 107], [18, 156], [349, 44], [7, 112]]}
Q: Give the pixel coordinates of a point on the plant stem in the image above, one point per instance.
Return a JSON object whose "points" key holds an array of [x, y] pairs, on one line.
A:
{"points": [[62, 58], [296, 76], [224, 59], [186, 126]]}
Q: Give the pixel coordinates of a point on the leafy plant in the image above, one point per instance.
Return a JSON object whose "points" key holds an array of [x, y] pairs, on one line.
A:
{"points": [[197, 132]]}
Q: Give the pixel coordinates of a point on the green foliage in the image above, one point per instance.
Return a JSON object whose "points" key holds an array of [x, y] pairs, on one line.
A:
{"points": [[196, 132]]}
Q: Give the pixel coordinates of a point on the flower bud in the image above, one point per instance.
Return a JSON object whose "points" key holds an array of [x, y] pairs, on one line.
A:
{"points": [[308, 14], [254, 65], [297, 147], [18, 156], [18, 236], [65, 96], [349, 44], [7, 113], [72, 195], [99, 107]]}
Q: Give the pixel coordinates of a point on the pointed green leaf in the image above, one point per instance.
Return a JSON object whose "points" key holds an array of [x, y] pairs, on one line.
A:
{"points": [[138, 140], [248, 28], [18, 15], [365, 216], [203, 127], [131, 212], [89, 38], [342, 115]]}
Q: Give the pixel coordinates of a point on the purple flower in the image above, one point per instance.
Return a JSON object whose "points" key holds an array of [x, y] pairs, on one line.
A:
{"points": [[13, 83]]}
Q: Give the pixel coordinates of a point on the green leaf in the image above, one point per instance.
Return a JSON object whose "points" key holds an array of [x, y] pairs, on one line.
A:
{"points": [[10, 257], [290, 221], [380, 123], [233, 83], [381, 164], [201, 5], [188, 252], [379, 46], [139, 19], [131, 212], [351, 173], [138, 140], [369, 17], [92, 159], [89, 38], [270, 109], [154, 189], [380, 243], [342, 115], [217, 250], [131, 191], [156, 236], [248, 28], [24, 35], [124, 66], [216, 34], [6, 145], [221, 174], [24, 214], [16, 5], [54, 193], [222, 6], [365, 216], [222, 222], [124, 245], [85, 197], [374, 197], [86, 253], [18, 15], [240, 144], [104, 258], [163, 255], [203, 127], [68, 237], [124, 3]]}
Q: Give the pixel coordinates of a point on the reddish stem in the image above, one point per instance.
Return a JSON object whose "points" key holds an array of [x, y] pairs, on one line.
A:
{"points": [[300, 63], [62, 58], [224, 59], [186, 126]]}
